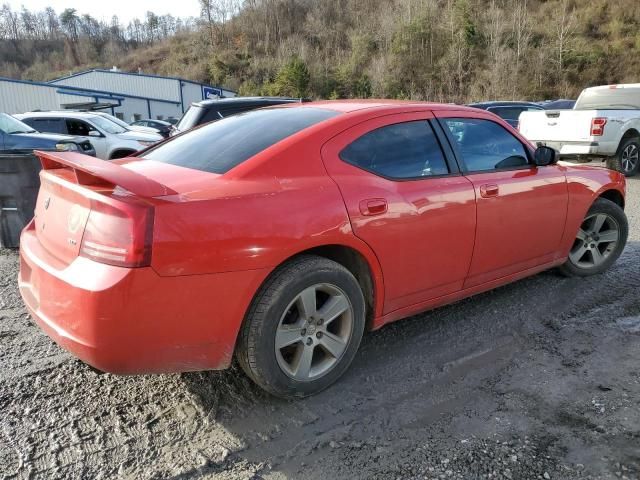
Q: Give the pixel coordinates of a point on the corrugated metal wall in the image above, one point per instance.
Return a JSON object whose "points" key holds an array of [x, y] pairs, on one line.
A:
{"points": [[191, 93], [130, 84], [22, 97]]}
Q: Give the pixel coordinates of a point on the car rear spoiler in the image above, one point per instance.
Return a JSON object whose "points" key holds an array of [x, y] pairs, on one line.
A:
{"points": [[92, 171]]}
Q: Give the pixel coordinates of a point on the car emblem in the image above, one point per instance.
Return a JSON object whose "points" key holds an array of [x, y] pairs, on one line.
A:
{"points": [[47, 202]]}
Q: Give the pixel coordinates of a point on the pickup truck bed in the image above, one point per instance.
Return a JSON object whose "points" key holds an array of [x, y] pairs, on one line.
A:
{"points": [[610, 130]]}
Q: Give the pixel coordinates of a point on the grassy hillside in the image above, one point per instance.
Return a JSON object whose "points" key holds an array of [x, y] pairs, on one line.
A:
{"points": [[444, 50]]}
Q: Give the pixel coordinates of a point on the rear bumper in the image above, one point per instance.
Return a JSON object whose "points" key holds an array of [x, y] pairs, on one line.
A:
{"points": [[577, 149], [130, 321]]}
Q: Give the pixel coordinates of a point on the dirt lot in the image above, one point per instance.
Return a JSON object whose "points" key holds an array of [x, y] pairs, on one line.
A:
{"points": [[539, 379]]}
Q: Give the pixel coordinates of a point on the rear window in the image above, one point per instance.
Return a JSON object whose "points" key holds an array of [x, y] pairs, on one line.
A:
{"points": [[609, 99], [219, 146]]}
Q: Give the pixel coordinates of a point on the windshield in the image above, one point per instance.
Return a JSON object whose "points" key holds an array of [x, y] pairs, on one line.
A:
{"points": [[190, 118], [609, 99], [116, 120], [11, 125], [107, 125], [219, 146]]}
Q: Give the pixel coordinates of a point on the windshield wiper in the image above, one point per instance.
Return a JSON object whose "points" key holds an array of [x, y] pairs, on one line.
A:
{"points": [[21, 131]]}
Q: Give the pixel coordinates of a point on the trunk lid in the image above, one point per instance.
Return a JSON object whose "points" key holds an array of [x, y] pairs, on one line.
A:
{"points": [[72, 185], [60, 216]]}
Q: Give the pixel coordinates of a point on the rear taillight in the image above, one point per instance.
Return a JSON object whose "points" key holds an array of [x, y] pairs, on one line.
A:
{"points": [[597, 126], [119, 233]]}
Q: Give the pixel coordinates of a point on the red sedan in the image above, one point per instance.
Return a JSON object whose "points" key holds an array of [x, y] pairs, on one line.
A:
{"points": [[280, 235]]}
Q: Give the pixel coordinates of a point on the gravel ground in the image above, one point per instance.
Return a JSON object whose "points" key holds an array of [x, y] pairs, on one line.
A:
{"points": [[536, 380]]}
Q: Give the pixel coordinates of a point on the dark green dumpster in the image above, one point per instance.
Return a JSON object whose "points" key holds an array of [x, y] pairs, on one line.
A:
{"points": [[19, 184]]}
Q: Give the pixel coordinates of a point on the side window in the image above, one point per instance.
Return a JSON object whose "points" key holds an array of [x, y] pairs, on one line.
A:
{"points": [[56, 125], [46, 125], [485, 145], [78, 127], [399, 151], [209, 116], [35, 123]]}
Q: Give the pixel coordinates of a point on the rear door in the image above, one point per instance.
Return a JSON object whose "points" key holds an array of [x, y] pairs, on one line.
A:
{"points": [[521, 208], [408, 202]]}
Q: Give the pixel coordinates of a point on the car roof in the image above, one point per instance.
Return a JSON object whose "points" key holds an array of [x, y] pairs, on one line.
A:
{"points": [[242, 101], [348, 106], [504, 103], [62, 113]]}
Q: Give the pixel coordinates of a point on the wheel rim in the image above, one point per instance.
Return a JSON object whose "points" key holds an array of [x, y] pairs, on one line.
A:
{"points": [[314, 332], [630, 157], [596, 240]]}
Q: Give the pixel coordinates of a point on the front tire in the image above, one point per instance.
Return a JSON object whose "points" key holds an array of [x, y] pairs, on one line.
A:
{"points": [[627, 159], [303, 328], [599, 241]]}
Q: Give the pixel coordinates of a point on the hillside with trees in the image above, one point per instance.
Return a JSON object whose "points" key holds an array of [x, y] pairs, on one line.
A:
{"points": [[441, 50]]}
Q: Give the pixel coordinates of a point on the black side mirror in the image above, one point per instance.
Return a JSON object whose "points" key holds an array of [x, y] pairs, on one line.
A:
{"points": [[544, 156]]}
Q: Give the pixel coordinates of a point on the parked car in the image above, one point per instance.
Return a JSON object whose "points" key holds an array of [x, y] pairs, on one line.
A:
{"points": [[215, 109], [604, 124], [559, 105], [304, 226], [162, 127], [509, 111], [18, 137], [109, 139], [127, 126]]}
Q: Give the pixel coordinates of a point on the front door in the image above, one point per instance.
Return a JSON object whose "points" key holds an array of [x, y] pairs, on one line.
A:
{"points": [[80, 128], [521, 208], [408, 202]]}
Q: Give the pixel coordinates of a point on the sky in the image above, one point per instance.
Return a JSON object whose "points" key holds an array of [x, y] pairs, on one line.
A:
{"points": [[105, 9]]}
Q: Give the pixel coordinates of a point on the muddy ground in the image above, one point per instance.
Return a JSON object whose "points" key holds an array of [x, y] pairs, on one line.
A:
{"points": [[536, 380]]}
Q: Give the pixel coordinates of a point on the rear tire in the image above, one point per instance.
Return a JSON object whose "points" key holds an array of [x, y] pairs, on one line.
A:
{"points": [[599, 242], [627, 159], [303, 328]]}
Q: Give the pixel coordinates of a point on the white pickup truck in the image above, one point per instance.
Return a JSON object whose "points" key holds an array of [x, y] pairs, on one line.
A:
{"points": [[604, 124]]}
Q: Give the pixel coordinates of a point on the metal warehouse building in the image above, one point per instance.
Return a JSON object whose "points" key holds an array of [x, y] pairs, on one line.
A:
{"points": [[129, 96]]}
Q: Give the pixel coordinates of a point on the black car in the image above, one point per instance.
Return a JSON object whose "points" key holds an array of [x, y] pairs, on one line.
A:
{"points": [[163, 128], [210, 110], [509, 111], [559, 105]]}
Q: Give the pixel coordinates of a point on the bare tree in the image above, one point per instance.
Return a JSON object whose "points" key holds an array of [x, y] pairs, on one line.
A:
{"points": [[565, 29], [521, 38]]}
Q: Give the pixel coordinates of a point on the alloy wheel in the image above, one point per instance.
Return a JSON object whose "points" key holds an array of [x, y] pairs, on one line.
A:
{"points": [[314, 332], [596, 240], [630, 157]]}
